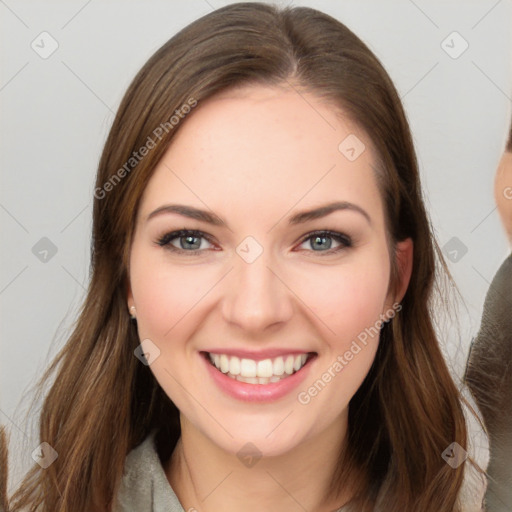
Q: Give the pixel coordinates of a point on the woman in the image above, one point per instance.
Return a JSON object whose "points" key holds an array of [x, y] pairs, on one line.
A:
{"points": [[257, 371]]}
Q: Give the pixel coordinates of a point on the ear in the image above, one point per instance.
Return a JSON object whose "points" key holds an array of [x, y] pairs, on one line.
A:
{"points": [[404, 259]]}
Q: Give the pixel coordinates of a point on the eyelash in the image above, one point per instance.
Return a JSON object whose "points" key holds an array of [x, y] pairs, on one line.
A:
{"points": [[164, 241]]}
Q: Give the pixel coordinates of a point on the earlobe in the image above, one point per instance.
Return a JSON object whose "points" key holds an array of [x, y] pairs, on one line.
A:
{"points": [[404, 259]]}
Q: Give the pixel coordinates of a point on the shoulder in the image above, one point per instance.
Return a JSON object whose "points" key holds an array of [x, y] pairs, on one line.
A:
{"points": [[144, 485], [498, 298]]}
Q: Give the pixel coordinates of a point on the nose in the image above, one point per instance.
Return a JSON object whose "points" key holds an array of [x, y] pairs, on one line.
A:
{"points": [[257, 295]]}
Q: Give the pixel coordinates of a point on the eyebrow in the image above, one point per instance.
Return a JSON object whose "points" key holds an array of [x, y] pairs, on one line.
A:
{"points": [[297, 218]]}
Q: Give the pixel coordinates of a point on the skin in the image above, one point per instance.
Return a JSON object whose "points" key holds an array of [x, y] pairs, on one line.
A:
{"points": [[503, 192], [256, 156]]}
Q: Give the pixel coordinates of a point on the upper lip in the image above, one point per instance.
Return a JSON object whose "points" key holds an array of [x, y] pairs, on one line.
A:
{"points": [[259, 355]]}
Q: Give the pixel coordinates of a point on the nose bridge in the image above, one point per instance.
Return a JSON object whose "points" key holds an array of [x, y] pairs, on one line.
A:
{"points": [[256, 297]]}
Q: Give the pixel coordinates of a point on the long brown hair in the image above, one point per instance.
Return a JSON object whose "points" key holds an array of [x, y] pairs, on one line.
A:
{"points": [[104, 402]]}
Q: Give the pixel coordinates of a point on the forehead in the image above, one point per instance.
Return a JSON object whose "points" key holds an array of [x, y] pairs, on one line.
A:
{"points": [[264, 147]]}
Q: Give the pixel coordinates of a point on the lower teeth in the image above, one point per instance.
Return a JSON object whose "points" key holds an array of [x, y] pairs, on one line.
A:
{"points": [[256, 380]]}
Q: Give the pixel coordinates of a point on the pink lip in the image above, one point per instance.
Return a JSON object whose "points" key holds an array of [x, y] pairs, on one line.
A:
{"points": [[259, 354], [256, 392]]}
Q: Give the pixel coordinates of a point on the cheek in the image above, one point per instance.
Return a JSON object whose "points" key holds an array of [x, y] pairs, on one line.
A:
{"points": [[350, 304], [347, 298], [164, 293]]}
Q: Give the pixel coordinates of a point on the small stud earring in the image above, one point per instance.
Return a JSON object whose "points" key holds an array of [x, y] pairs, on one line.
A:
{"points": [[132, 312]]}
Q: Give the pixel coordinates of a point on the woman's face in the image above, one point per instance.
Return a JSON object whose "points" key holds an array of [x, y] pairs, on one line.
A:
{"points": [[257, 289], [503, 192]]}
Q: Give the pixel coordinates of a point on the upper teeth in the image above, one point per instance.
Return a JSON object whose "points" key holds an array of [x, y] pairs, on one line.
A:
{"points": [[265, 368]]}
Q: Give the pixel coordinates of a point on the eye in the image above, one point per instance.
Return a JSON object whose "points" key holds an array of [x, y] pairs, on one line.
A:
{"points": [[189, 240], [323, 240]]}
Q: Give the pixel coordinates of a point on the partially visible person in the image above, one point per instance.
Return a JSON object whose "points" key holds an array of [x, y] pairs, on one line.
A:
{"points": [[503, 188], [489, 373]]}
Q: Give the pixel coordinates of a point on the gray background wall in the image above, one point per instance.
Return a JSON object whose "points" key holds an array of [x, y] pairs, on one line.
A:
{"points": [[57, 109]]}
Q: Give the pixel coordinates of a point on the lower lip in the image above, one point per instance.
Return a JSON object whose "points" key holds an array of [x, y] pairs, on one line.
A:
{"points": [[257, 392]]}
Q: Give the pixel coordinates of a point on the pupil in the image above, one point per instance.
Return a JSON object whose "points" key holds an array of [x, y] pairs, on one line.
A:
{"points": [[189, 239], [322, 239]]}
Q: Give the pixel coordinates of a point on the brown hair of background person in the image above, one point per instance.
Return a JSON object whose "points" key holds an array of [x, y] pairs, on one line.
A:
{"points": [[103, 402]]}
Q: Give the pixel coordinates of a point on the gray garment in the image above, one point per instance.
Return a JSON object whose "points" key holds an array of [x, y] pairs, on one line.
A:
{"points": [[489, 376], [144, 486]]}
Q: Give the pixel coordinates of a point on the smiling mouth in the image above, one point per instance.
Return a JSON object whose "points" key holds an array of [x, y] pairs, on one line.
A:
{"points": [[259, 372]]}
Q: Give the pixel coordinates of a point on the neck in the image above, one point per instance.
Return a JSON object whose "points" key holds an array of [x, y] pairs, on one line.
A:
{"points": [[207, 479]]}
